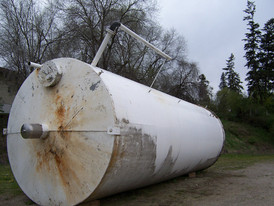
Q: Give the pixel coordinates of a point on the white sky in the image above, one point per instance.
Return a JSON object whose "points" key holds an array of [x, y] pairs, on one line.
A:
{"points": [[213, 29]]}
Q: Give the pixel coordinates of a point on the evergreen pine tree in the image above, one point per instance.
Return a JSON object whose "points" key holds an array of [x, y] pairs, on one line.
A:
{"points": [[232, 78], [223, 83], [267, 58], [251, 47], [205, 91]]}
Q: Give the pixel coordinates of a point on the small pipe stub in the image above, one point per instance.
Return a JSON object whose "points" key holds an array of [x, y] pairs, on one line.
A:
{"points": [[34, 131], [49, 74], [34, 65]]}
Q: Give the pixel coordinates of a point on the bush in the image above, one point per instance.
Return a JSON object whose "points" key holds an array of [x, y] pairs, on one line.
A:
{"points": [[233, 106]]}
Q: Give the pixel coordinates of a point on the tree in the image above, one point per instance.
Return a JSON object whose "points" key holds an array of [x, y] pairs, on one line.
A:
{"points": [[205, 91], [86, 24], [252, 47], [26, 34], [229, 98], [223, 83], [266, 57], [181, 81], [229, 104], [135, 61], [232, 78], [76, 28]]}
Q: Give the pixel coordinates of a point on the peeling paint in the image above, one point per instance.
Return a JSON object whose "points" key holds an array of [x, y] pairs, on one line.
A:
{"points": [[165, 171], [94, 86], [132, 163], [126, 121]]}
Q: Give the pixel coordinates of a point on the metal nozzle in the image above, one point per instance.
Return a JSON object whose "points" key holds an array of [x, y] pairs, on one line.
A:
{"points": [[34, 131]]}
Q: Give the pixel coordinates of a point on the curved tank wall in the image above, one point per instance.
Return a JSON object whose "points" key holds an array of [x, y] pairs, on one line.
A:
{"points": [[106, 134]]}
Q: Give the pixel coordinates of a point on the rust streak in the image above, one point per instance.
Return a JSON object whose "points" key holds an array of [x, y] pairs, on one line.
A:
{"points": [[37, 71], [54, 158], [60, 112]]}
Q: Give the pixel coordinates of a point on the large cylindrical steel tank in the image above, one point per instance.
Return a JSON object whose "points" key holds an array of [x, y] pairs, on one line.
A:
{"points": [[102, 134]]}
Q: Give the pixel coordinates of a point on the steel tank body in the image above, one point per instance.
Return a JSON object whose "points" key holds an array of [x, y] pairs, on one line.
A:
{"points": [[106, 134]]}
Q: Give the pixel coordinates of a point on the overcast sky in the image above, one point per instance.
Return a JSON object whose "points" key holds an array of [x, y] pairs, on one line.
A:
{"points": [[213, 29]]}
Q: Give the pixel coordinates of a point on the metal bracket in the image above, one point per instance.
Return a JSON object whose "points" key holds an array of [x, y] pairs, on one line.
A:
{"points": [[5, 131], [114, 130]]}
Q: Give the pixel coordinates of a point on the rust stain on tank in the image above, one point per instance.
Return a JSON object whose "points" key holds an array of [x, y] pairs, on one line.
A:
{"points": [[62, 112], [115, 153], [37, 71], [66, 172], [47, 151], [54, 157], [54, 154]]}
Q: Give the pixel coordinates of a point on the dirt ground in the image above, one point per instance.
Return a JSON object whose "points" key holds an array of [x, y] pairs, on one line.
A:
{"points": [[253, 185]]}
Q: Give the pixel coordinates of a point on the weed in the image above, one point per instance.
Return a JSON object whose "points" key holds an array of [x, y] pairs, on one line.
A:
{"points": [[8, 183]]}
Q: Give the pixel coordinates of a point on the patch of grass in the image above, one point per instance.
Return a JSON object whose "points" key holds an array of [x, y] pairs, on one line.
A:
{"points": [[29, 202], [8, 183], [234, 144], [239, 161], [244, 138]]}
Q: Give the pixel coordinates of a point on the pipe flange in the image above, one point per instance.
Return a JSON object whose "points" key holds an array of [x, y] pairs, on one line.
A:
{"points": [[49, 74]]}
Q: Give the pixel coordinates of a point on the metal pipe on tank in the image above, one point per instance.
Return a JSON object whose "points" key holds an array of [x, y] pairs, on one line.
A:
{"points": [[102, 47], [34, 65], [136, 36], [112, 29]]}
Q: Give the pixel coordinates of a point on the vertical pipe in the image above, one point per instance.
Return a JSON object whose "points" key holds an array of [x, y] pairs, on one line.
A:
{"points": [[102, 47]]}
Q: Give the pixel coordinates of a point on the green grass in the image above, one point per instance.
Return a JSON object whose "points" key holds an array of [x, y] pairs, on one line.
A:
{"points": [[239, 161], [8, 183], [243, 138]]}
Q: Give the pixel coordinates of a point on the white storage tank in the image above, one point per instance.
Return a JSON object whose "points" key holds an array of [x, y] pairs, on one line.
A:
{"points": [[77, 133]]}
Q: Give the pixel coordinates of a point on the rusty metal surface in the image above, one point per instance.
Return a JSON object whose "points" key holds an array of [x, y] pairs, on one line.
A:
{"points": [[68, 165], [107, 134]]}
